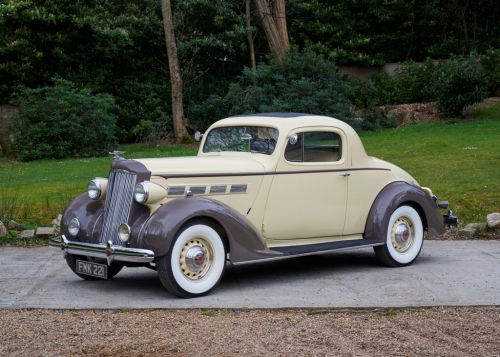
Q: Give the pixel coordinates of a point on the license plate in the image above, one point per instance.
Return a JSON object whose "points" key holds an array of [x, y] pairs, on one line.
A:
{"points": [[92, 269]]}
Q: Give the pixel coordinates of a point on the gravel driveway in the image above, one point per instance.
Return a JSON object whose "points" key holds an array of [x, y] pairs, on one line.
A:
{"points": [[458, 331]]}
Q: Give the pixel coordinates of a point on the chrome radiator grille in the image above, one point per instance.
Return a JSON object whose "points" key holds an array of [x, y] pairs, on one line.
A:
{"points": [[119, 196]]}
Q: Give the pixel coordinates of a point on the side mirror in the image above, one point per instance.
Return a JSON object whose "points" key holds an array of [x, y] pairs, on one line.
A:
{"points": [[293, 139], [198, 136]]}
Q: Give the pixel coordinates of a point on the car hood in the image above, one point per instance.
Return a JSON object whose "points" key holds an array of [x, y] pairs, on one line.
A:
{"points": [[216, 165]]}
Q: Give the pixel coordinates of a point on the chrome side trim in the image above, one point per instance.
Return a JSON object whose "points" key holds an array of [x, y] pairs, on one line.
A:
{"points": [[310, 253], [106, 251]]}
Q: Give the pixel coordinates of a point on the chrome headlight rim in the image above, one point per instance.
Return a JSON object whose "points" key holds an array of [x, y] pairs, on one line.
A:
{"points": [[124, 232], [74, 227], [141, 193], [94, 189]]}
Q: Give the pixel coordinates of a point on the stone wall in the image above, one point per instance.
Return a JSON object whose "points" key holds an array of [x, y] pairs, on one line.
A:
{"points": [[6, 112], [364, 73]]}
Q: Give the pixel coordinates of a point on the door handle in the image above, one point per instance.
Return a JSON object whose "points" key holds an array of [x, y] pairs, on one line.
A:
{"points": [[345, 174]]}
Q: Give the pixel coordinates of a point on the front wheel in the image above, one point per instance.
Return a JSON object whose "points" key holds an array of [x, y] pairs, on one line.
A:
{"points": [[195, 262], [404, 238]]}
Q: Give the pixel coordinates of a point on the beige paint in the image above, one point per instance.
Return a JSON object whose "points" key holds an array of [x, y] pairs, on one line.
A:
{"points": [[309, 204], [291, 209]]}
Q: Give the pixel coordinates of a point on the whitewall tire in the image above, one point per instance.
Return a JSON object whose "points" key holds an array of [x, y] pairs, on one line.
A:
{"points": [[404, 238], [195, 262]]}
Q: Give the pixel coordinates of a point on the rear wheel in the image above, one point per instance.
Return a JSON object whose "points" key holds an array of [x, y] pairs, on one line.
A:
{"points": [[404, 238], [195, 262], [113, 269]]}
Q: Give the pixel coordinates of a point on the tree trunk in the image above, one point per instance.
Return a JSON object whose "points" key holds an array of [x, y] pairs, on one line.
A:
{"points": [[249, 36], [274, 24], [180, 131], [280, 19], [6, 111]]}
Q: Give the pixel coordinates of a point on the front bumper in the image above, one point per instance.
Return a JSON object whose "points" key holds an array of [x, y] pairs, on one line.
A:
{"points": [[107, 251]]}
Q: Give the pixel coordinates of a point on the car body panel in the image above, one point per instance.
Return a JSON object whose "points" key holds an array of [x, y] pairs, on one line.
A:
{"points": [[263, 201]]}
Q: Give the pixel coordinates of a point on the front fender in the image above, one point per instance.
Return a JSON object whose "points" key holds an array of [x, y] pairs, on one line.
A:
{"points": [[88, 212], [394, 195], [245, 242]]}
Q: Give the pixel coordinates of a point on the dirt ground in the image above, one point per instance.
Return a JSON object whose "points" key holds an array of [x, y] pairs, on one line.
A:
{"points": [[439, 331]]}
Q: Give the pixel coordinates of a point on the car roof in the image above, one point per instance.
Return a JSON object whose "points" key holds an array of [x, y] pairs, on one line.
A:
{"points": [[284, 122]]}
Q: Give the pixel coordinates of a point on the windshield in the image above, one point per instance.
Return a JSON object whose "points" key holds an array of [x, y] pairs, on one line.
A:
{"points": [[255, 139]]}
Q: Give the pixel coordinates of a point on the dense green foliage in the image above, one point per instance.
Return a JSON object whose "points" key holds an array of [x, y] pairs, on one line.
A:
{"points": [[460, 83], [453, 84], [117, 47], [370, 32], [63, 121], [491, 70], [302, 83]]}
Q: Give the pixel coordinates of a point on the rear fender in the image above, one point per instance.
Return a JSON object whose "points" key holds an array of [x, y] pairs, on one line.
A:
{"points": [[394, 195]]}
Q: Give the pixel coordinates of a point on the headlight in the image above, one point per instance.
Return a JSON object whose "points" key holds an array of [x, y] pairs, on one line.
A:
{"points": [[148, 192], [96, 188], [124, 232], [141, 193], [74, 227]]}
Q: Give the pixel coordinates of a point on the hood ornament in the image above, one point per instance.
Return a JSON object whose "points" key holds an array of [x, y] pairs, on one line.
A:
{"points": [[117, 154]]}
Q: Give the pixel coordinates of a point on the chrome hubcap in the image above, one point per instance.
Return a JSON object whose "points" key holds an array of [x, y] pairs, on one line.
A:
{"points": [[403, 234], [196, 259]]}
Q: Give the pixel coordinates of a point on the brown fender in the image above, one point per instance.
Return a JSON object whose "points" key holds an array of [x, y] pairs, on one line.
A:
{"points": [[87, 211], [394, 195], [245, 242]]}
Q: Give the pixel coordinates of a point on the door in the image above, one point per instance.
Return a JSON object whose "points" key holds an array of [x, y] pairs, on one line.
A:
{"points": [[308, 194]]}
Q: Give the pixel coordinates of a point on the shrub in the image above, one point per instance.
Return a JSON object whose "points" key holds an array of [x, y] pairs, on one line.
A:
{"points": [[491, 71], [301, 82], [411, 83], [154, 133], [63, 121], [458, 85], [415, 82], [142, 101]]}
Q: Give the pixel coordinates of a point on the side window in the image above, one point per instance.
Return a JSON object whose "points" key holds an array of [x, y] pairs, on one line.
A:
{"points": [[317, 146]]}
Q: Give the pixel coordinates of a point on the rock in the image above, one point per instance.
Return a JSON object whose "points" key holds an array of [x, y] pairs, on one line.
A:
{"points": [[13, 225], [3, 230], [45, 231], [493, 221], [56, 224], [479, 226], [27, 234], [468, 231], [411, 113]]}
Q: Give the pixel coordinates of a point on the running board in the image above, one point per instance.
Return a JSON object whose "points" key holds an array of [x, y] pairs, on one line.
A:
{"points": [[298, 250], [310, 249]]}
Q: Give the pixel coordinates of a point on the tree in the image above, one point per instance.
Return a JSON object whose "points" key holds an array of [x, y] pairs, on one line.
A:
{"points": [[273, 19], [180, 130], [251, 48]]}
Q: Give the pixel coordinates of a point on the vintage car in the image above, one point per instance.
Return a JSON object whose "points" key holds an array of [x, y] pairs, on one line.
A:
{"points": [[263, 186]]}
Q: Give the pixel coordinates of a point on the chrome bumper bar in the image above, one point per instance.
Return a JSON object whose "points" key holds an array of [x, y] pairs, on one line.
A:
{"points": [[109, 251]]}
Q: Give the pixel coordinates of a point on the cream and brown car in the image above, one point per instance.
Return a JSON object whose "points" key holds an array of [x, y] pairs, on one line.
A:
{"points": [[263, 186]]}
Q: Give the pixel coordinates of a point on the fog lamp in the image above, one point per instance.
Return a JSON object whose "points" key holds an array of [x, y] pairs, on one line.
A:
{"points": [[74, 227], [124, 232]]}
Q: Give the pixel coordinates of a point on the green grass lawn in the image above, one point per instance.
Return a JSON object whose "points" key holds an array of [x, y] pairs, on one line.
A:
{"points": [[40, 190], [459, 161]]}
